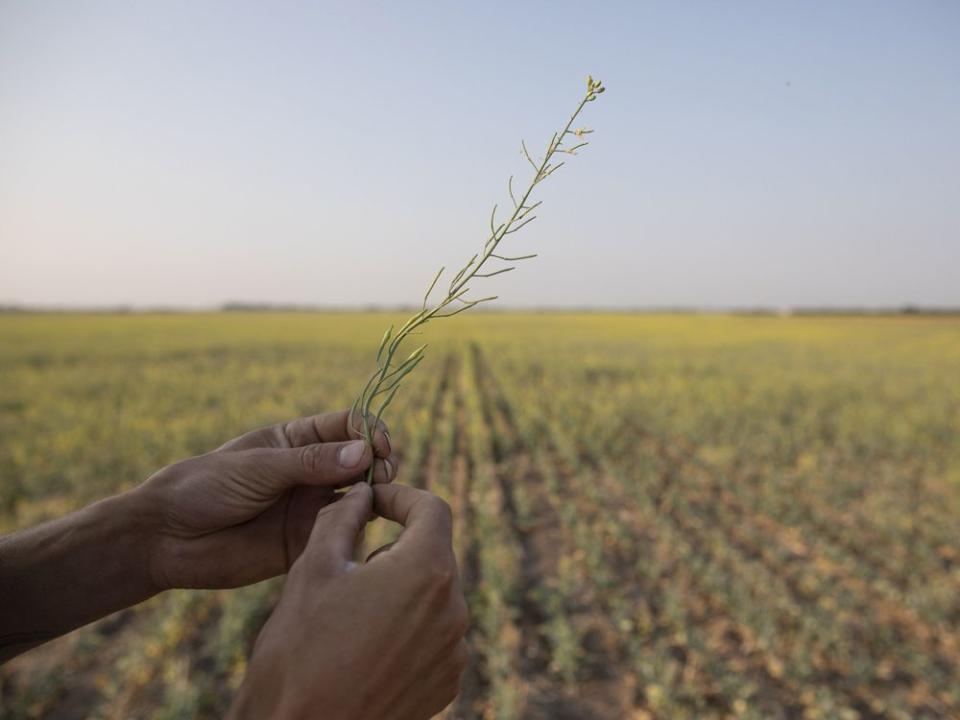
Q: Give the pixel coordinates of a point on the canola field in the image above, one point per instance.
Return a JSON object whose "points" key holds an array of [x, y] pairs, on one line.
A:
{"points": [[657, 516]]}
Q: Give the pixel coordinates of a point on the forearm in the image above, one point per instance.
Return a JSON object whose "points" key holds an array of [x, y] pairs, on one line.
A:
{"points": [[73, 570]]}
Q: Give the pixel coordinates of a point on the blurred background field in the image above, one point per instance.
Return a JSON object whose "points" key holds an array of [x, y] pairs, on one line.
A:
{"points": [[658, 516], [700, 515]]}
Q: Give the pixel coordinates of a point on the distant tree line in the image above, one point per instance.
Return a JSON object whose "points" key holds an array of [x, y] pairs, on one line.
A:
{"points": [[263, 307]]}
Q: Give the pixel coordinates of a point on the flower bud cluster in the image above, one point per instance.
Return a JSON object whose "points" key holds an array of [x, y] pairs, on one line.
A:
{"points": [[594, 88]]}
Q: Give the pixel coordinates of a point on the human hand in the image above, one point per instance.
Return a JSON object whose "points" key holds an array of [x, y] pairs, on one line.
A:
{"points": [[243, 513], [379, 640]]}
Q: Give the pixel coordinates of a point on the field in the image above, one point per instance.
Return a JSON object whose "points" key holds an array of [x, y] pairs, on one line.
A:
{"points": [[656, 516]]}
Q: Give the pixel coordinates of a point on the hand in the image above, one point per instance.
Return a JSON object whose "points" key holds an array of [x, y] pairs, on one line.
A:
{"points": [[378, 640], [243, 513]]}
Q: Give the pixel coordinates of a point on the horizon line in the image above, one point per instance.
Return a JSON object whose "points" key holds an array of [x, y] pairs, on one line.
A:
{"points": [[377, 308]]}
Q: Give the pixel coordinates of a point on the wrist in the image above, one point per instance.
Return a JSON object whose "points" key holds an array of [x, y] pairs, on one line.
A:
{"points": [[137, 520], [73, 570]]}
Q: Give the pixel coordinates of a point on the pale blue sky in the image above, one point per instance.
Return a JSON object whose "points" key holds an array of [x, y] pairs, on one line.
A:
{"points": [[188, 153]]}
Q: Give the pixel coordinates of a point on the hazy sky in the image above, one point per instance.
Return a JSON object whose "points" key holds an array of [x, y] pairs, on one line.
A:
{"points": [[188, 153]]}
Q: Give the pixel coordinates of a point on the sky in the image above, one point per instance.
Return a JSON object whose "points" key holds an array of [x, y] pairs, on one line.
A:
{"points": [[745, 154]]}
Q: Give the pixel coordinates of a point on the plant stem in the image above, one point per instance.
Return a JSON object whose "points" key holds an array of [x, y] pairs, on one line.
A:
{"points": [[386, 378]]}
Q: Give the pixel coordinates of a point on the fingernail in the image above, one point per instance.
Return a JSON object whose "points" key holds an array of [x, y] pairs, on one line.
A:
{"points": [[389, 444], [354, 489], [351, 454], [388, 468]]}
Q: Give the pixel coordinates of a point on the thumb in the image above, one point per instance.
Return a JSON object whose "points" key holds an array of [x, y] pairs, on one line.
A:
{"points": [[323, 464], [330, 548]]}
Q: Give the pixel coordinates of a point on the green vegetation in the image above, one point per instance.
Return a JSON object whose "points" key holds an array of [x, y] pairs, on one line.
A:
{"points": [[657, 516], [385, 381]]}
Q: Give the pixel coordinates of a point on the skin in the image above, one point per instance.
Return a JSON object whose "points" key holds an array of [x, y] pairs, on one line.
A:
{"points": [[308, 661], [246, 512]]}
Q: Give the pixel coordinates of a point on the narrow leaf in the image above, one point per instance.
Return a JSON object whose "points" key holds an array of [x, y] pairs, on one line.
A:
{"points": [[525, 222], [495, 272], [432, 286]]}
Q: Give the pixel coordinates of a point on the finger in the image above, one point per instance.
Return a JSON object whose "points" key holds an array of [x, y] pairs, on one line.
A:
{"points": [[336, 427], [325, 464], [381, 434], [425, 517], [330, 548], [260, 438], [384, 470], [301, 510], [380, 550], [327, 427]]}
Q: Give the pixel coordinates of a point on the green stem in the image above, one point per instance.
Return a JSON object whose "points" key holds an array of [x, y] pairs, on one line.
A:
{"points": [[497, 237], [459, 285]]}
